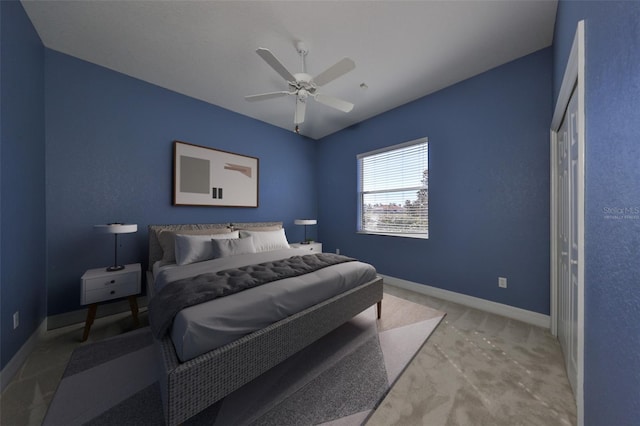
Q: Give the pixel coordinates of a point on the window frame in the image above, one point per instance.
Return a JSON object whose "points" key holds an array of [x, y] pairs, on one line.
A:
{"points": [[362, 193]]}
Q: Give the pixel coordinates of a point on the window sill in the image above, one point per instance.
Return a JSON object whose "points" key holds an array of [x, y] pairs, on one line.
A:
{"points": [[388, 234]]}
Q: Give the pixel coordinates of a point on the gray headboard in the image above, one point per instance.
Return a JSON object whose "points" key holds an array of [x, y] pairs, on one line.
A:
{"points": [[155, 250]]}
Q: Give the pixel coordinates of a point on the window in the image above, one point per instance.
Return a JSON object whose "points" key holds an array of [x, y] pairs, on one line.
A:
{"points": [[393, 187]]}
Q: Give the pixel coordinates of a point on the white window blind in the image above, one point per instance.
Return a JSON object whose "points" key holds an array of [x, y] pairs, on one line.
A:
{"points": [[393, 188]]}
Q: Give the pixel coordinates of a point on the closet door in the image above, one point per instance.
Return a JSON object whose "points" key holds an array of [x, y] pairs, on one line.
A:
{"points": [[568, 141], [567, 243]]}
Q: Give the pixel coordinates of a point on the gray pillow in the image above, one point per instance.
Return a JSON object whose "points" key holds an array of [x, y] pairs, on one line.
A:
{"points": [[231, 247]]}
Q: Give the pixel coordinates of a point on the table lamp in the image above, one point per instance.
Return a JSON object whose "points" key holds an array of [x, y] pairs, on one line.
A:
{"points": [[115, 229], [305, 222]]}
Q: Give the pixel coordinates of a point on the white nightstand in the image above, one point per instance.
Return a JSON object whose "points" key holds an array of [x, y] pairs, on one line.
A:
{"points": [[314, 247], [99, 285]]}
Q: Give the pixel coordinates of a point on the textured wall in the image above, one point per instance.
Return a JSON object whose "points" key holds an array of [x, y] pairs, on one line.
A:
{"points": [[22, 276], [109, 158], [612, 234], [488, 186]]}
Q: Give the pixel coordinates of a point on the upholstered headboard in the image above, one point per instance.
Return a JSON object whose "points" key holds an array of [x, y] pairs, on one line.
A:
{"points": [[155, 249]]}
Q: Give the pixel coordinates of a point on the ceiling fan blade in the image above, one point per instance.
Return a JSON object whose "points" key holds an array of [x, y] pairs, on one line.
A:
{"points": [[269, 95], [341, 67], [270, 59], [333, 102], [301, 107]]}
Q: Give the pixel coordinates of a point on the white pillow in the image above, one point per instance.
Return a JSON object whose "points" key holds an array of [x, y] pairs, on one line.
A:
{"points": [[197, 248], [267, 240], [226, 248]]}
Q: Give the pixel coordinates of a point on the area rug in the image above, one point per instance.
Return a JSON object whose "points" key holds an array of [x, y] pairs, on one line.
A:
{"points": [[338, 380]]}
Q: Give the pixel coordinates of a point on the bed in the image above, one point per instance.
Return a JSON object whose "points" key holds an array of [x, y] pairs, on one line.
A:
{"points": [[194, 377]]}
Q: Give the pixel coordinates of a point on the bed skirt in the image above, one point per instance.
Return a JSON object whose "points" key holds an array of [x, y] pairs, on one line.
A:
{"points": [[190, 387]]}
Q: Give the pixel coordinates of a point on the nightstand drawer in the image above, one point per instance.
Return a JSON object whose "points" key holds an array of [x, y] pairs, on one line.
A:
{"points": [[122, 288], [99, 285], [311, 247]]}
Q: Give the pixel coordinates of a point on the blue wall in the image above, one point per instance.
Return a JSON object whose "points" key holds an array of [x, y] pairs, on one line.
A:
{"points": [[488, 186], [109, 147], [22, 234], [612, 252], [108, 157]]}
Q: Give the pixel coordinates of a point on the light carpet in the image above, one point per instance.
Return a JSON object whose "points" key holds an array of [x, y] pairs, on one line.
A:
{"points": [[338, 380]]}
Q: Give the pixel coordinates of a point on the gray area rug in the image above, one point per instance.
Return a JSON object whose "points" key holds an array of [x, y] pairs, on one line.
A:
{"points": [[338, 380]]}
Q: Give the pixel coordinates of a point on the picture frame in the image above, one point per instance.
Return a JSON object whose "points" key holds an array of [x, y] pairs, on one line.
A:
{"points": [[204, 176]]}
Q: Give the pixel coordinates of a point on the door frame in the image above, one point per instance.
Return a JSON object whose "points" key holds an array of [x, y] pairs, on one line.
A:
{"points": [[573, 78]]}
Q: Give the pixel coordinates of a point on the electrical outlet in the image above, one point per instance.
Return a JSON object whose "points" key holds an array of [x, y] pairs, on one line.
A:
{"points": [[502, 282], [16, 320], [337, 251]]}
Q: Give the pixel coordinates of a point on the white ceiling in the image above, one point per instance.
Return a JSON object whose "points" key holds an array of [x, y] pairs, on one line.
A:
{"points": [[403, 50]]}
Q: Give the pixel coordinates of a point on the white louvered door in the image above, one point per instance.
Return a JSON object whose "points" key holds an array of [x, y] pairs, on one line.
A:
{"points": [[567, 219]]}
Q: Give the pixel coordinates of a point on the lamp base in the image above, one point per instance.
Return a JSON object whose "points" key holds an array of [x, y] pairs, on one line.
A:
{"points": [[115, 268]]}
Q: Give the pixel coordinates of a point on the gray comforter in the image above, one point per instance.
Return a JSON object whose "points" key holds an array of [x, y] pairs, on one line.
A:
{"points": [[201, 288]]}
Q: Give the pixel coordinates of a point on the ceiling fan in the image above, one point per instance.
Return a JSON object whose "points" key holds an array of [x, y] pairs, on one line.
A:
{"points": [[303, 85]]}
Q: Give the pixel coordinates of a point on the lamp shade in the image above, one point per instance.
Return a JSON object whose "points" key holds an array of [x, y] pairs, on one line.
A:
{"points": [[116, 228]]}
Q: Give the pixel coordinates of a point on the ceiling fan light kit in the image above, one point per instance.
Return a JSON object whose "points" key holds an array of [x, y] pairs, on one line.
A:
{"points": [[303, 85]]}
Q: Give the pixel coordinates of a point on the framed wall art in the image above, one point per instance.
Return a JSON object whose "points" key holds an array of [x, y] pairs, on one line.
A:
{"points": [[205, 176]]}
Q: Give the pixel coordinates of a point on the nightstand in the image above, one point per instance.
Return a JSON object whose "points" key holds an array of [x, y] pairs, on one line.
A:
{"points": [[100, 285], [314, 247]]}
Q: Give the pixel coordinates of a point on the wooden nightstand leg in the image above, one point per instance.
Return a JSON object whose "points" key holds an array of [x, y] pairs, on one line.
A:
{"points": [[91, 315], [133, 303]]}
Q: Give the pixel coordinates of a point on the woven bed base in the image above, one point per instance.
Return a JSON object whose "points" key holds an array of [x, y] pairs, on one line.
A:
{"points": [[190, 387]]}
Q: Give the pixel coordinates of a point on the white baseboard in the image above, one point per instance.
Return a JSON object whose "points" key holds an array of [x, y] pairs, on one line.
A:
{"points": [[512, 312], [13, 366]]}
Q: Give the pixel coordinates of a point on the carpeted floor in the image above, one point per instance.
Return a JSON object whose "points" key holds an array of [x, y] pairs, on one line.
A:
{"points": [[339, 380], [480, 369]]}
